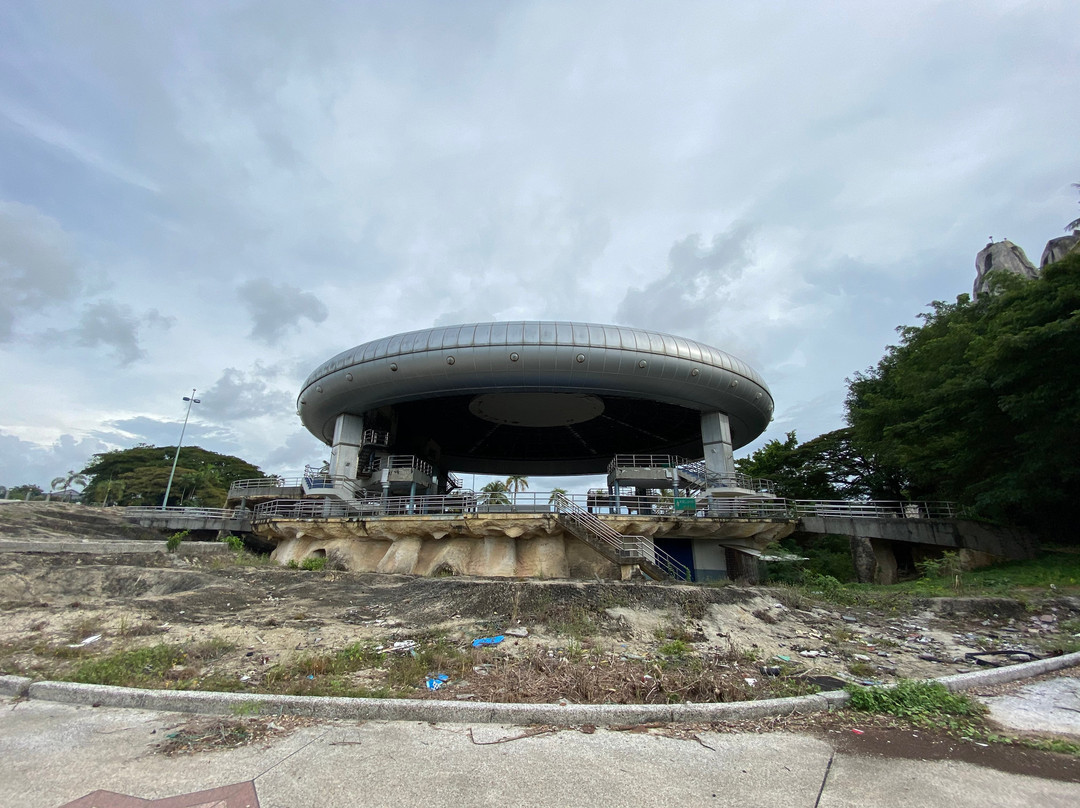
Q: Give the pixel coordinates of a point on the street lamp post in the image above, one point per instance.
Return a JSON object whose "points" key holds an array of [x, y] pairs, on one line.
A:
{"points": [[190, 400]]}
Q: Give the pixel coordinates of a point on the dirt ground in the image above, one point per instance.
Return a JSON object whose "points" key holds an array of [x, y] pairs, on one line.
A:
{"points": [[52, 603]]}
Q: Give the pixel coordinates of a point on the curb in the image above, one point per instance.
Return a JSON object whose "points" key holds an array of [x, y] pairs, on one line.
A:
{"points": [[464, 712]]}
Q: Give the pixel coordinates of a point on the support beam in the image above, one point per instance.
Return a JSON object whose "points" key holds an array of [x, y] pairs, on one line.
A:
{"points": [[716, 437], [345, 452]]}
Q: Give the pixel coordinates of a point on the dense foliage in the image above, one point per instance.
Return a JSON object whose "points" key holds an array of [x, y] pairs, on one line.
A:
{"points": [[827, 467], [139, 476], [980, 404]]}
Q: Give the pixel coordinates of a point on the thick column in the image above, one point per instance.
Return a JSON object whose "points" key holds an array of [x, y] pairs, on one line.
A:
{"points": [[716, 437], [348, 434]]}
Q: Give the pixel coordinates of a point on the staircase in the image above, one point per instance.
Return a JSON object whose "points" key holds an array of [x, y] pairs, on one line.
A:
{"points": [[617, 548]]}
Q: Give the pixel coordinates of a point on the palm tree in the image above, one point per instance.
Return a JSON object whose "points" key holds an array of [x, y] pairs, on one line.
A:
{"points": [[494, 493], [515, 483], [65, 482], [557, 494]]}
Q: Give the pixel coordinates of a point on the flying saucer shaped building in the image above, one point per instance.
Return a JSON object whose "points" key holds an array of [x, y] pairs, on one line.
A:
{"points": [[549, 398]]}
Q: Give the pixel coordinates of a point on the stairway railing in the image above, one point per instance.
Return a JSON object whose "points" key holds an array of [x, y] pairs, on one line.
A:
{"points": [[615, 546]]}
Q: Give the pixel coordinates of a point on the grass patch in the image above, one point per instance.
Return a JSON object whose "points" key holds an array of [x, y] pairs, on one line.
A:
{"points": [[922, 703], [137, 667]]}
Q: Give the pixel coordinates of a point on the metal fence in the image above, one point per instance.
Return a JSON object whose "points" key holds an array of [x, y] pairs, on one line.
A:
{"points": [[147, 512], [469, 502]]}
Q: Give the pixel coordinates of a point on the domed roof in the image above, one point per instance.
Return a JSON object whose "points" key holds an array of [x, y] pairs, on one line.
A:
{"points": [[543, 397]]}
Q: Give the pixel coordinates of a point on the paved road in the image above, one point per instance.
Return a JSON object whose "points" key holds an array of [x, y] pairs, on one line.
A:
{"points": [[54, 753]]}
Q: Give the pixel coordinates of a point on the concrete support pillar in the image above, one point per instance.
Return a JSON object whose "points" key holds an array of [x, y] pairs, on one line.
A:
{"points": [[716, 437], [886, 561], [345, 452], [863, 559]]}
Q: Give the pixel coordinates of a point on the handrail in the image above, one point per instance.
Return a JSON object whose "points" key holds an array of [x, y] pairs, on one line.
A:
{"points": [[641, 461], [631, 548], [180, 510]]}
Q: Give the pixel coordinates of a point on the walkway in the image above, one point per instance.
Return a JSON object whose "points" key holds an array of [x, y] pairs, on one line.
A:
{"points": [[55, 753]]}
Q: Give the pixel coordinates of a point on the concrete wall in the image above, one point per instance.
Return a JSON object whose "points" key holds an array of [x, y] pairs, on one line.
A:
{"points": [[710, 560], [1002, 542]]}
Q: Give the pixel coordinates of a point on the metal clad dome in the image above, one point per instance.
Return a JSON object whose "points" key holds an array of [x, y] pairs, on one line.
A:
{"points": [[536, 397]]}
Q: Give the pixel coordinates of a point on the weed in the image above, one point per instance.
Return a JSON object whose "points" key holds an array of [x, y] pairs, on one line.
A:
{"points": [[245, 708], [921, 702], [236, 544], [863, 670], [293, 565], [173, 542], [313, 563], [132, 668], [676, 649]]}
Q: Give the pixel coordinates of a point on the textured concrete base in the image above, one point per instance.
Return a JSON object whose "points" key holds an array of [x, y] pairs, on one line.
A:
{"points": [[511, 545]]}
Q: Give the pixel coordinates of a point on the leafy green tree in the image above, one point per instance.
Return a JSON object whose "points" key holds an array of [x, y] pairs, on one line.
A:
{"points": [[827, 467], [26, 491], [979, 404], [138, 476]]}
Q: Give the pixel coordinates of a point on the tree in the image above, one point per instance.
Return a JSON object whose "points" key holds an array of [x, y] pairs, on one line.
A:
{"points": [[26, 491], [556, 495], [827, 467], [138, 476], [515, 483], [64, 483], [979, 405], [494, 493]]}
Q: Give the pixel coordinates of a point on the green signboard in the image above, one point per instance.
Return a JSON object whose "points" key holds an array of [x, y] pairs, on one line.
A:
{"points": [[685, 504]]}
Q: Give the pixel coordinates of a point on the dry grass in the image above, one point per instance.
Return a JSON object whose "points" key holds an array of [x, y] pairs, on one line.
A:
{"points": [[590, 676]]}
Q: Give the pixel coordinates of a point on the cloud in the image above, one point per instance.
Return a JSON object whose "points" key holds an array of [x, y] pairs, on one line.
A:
{"points": [[111, 325], [127, 432], [697, 286], [300, 449], [237, 394], [278, 308], [37, 269], [25, 462]]}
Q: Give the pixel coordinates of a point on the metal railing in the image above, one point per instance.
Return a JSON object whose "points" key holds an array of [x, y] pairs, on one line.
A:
{"points": [[401, 462], [874, 509], [373, 437], [600, 502], [696, 473], [644, 461], [616, 546], [692, 471], [149, 511]]}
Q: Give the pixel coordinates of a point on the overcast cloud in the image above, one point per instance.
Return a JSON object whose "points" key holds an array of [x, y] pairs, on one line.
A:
{"points": [[221, 195]]}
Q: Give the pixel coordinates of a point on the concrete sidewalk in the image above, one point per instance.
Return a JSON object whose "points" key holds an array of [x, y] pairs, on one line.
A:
{"points": [[54, 753]]}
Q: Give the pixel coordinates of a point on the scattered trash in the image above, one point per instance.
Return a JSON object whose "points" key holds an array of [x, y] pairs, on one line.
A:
{"points": [[436, 681], [87, 641], [485, 641], [750, 680], [782, 657], [858, 732], [311, 676], [402, 646]]}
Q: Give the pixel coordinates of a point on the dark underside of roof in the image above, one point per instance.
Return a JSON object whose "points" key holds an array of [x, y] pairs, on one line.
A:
{"points": [[470, 444]]}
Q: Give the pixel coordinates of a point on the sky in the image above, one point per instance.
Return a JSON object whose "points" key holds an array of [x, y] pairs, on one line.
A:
{"points": [[221, 195]]}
